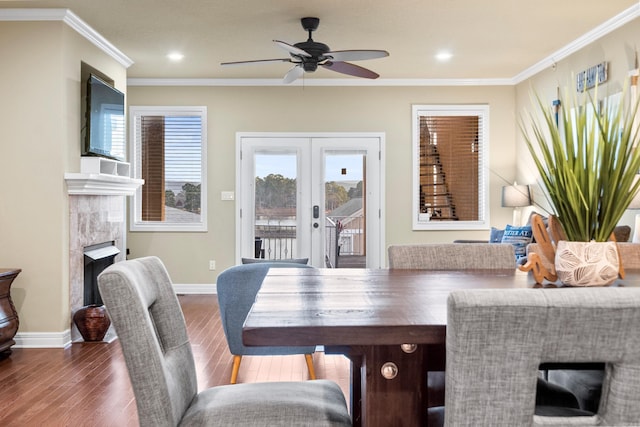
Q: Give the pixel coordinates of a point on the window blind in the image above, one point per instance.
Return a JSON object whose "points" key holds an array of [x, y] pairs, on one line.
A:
{"points": [[449, 169]]}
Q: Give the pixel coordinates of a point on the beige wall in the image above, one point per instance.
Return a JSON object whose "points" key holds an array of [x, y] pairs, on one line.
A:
{"points": [[40, 141], [316, 109], [354, 109], [618, 49]]}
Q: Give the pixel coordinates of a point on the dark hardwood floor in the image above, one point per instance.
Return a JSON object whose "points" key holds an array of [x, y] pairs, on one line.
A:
{"points": [[87, 384]]}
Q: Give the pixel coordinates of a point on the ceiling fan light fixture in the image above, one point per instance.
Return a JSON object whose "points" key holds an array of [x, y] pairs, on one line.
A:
{"points": [[310, 67]]}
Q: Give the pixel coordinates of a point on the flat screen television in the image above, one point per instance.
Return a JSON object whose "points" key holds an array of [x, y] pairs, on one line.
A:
{"points": [[105, 121]]}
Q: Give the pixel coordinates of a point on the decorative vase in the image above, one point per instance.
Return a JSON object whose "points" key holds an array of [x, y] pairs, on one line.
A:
{"points": [[92, 322], [587, 263]]}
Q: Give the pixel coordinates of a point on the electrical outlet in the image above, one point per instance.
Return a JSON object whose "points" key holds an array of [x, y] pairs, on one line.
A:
{"points": [[212, 265]]}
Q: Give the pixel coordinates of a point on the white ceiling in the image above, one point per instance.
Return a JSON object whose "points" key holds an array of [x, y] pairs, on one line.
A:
{"points": [[492, 39]]}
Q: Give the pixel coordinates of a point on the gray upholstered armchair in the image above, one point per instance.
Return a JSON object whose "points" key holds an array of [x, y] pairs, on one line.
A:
{"points": [[150, 325], [237, 288], [496, 340]]}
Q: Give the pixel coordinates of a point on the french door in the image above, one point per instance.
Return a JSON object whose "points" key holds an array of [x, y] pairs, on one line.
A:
{"points": [[315, 196]]}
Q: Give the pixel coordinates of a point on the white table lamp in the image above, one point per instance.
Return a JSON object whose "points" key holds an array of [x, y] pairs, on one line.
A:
{"points": [[516, 196]]}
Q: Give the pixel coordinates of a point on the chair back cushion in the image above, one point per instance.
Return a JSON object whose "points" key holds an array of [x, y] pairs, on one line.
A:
{"points": [[285, 260], [237, 287], [150, 325], [497, 338], [453, 256]]}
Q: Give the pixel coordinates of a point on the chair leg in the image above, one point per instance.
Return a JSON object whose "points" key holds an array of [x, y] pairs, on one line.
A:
{"points": [[235, 369], [312, 371]]}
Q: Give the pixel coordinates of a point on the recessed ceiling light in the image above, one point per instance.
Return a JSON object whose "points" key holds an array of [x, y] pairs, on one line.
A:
{"points": [[444, 56], [175, 56]]}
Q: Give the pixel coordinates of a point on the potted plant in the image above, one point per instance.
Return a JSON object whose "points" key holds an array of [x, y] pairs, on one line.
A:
{"points": [[588, 159]]}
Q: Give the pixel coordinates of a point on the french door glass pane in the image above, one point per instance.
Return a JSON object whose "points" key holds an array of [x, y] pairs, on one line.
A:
{"points": [[344, 184], [275, 205]]}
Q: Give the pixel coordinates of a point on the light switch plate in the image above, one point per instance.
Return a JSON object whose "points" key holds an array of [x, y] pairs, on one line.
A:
{"points": [[227, 195]]}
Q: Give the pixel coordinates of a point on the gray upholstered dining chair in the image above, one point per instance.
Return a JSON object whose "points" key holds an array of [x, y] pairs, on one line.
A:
{"points": [[453, 256], [449, 256], [496, 340], [586, 384], [237, 287], [152, 332]]}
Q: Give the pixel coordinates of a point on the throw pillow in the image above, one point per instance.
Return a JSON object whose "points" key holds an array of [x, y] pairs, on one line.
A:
{"points": [[519, 237], [496, 235]]}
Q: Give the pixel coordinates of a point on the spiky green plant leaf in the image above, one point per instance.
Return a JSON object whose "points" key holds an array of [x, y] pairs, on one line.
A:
{"points": [[587, 163]]}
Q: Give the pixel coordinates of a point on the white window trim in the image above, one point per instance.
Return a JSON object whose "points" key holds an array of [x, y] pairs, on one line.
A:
{"points": [[483, 206], [136, 204]]}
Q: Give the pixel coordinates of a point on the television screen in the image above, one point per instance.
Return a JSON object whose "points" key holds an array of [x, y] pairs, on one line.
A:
{"points": [[105, 133]]}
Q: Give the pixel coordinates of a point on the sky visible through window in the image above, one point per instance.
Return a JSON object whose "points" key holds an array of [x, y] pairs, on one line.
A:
{"points": [[285, 164]]}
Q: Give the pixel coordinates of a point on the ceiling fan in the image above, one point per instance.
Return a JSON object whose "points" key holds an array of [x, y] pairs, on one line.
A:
{"points": [[308, 55]]}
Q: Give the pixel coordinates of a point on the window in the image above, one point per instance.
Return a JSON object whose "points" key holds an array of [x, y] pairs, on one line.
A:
{"points": [[449, 166], [168, 146]]}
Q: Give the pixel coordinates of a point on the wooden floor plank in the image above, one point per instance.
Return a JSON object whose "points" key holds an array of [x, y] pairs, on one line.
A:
{"points": [[87, 384]]}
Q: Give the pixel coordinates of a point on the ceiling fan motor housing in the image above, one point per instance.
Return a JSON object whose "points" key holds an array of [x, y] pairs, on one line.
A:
{"points": [[316, 50]]}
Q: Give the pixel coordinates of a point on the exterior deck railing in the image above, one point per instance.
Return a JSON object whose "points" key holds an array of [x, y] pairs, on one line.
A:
{"points": [[344, 236]]}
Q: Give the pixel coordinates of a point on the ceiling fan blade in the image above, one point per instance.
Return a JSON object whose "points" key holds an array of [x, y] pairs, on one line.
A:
{"points": [[256, 61], [356, 55], [350, 69], [294, 74], [292, 49]]}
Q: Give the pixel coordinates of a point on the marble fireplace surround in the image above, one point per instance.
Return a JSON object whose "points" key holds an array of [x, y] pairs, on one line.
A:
{"points": [[97, 214], [93, 219]]}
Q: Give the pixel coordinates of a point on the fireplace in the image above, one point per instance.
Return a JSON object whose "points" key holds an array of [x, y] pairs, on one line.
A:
{"points": [[97, 225], [97, 237], [96, 259]]}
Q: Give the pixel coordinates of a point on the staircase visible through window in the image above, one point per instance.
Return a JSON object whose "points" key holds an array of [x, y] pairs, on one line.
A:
{"points": [[450, 174]]}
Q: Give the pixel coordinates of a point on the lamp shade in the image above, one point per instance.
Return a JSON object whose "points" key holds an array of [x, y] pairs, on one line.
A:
{"points": [[516, 196]]}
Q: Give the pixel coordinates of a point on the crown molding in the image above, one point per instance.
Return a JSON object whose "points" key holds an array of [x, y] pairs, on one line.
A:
{"points": [[317, 82], [600, 31], [605, 28], [73, 21]]}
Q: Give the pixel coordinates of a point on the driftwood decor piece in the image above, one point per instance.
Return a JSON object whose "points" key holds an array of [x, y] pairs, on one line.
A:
{"points": [[547, 249]]}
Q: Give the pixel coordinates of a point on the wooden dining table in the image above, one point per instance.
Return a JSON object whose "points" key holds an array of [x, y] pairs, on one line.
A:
{"points": [[385, 321]]}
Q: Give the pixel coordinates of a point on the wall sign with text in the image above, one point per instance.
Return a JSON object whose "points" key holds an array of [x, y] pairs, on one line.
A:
{"points": [[588, 78]]}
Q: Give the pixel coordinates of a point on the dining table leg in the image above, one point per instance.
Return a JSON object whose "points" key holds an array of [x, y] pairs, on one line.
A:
{"points": [[394, 386], [355, 396]]}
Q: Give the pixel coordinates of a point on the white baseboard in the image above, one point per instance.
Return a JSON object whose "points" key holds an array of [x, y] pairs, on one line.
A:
{"points": [[203, 289], [63, 339], [43, 339]]}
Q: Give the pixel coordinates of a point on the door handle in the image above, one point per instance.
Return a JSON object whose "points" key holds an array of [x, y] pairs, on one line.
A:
{"points": [[316, 211]]}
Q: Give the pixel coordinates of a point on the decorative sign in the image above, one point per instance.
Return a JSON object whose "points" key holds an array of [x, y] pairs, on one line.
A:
{"points": [[588, 78]]}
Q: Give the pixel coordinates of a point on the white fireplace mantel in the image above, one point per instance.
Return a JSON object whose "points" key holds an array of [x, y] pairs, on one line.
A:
{"points": [[102, 177]]}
